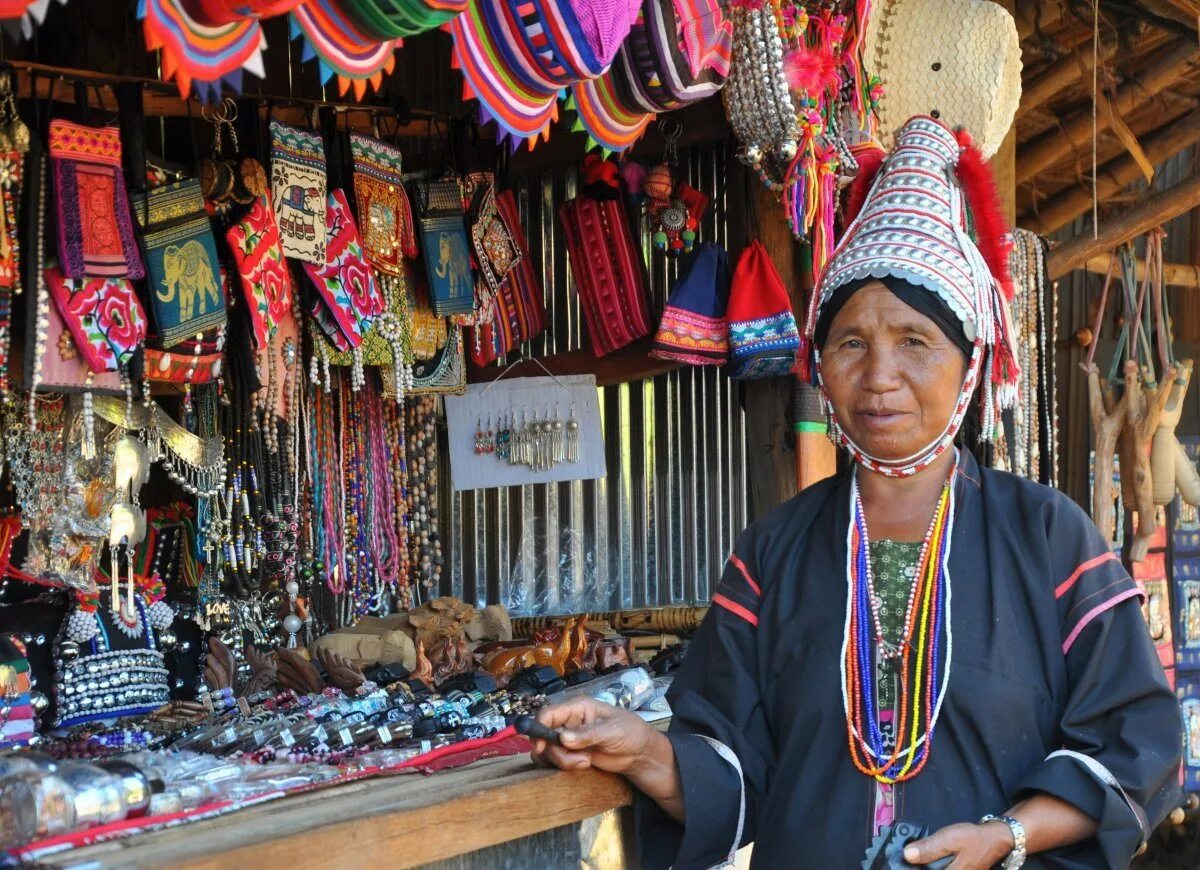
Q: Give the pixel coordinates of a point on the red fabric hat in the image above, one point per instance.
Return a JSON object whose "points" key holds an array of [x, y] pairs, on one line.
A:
{"points": [[763, 338]]}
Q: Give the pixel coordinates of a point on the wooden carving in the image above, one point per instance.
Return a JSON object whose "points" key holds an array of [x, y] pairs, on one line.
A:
{"points": [[297, 673], [441, 618], [1108, 419], [505, 663], [220, 667], [424, 669], [263, 672], [342, 672], [1144, 408], [450, 656]]}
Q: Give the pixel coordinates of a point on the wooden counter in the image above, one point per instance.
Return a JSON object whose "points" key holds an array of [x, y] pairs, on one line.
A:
{"points": [[399, 821]]}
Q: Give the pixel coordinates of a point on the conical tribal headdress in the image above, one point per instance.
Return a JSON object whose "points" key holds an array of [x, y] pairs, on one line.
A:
{"points": [[929, 216]]}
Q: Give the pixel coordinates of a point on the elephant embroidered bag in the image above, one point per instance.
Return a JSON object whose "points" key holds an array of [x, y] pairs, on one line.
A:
{"points": [[349, 299], [265, 282], [446, 247], [181, 261], [298, 185], [95, 233], [103, 315]]}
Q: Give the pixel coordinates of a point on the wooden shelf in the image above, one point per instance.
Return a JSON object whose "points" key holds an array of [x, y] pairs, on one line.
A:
{"points": [[411, 819], [630, 363]]}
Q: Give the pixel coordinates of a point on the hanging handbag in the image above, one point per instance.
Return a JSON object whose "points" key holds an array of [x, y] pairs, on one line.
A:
{"points": [[262, 270], [103, 315], [95, 233], [349, 299], [384, 211], [446, 247], [298, 191], [186, 291]]}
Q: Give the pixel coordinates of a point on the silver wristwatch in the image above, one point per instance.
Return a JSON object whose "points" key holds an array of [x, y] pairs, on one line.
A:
{"points": [[1016, 857]]}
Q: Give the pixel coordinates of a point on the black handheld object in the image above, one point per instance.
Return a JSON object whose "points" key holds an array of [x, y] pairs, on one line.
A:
{"points": [[886, 851], [534, 729]]}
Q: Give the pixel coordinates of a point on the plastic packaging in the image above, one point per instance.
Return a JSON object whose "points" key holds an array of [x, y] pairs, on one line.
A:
{"points": [[628, 689]]}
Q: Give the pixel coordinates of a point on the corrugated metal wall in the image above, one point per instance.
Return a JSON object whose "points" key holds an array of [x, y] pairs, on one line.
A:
{"points": [[658, 528]]}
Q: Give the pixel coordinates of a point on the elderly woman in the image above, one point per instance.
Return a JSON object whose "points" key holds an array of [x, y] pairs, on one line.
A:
{"points": [[917, 640]]}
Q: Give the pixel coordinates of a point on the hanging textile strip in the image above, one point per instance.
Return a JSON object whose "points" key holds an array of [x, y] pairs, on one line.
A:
{"points": [[12, 167], [208, 59], [262, 271], [341, 48], [103, 315], [187, 292], [522, 112], [95, 233], [393, 19], [217, 13], [181, 368], [345, 284], [608, 271], [383, 204], [298, 191]]}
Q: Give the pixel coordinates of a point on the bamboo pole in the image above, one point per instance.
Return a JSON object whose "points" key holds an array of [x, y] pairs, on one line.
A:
{"points": [[1174, 274], [1060, 75], [1157, 209], [1115, 176], [1077, 129]]}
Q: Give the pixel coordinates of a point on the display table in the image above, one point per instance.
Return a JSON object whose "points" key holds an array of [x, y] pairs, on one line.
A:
{"points": [[403, 821]]}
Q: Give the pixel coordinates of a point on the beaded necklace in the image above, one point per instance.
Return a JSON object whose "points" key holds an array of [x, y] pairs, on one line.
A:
{"points": [[917, 654]]}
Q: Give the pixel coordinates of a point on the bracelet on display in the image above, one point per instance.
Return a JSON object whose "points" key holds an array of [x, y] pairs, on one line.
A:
{"points": [[1016, 857]]}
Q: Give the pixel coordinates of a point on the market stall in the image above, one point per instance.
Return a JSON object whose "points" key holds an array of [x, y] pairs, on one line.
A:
{"points": [[375, 373]]}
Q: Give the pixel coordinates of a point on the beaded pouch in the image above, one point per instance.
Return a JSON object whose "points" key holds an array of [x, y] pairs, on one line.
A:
{"points": [[349, 298], [95, 233], [103, 315], [186, 291], [109, 664], [265, 282], [445, 373], [383, 206], [447, 248], [388, 336], [17, 719], [298, 188]]}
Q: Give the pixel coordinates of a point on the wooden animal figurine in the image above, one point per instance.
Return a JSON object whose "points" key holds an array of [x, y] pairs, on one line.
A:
{"points": [[1108, 419], [1144, 408]]}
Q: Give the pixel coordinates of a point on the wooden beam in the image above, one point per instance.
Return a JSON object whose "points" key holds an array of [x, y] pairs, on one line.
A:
{"points": [[1156, 210], [1077, 129], [1174, 274], [1115, 176], [631, 363], [1061, 74]]}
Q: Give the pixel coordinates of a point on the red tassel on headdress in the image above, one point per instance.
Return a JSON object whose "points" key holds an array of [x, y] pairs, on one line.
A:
{"points": [[991, 229], [870, 157]]}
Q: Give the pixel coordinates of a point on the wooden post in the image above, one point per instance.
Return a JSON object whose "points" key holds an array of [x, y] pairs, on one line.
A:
{"points": [[1077, 129], [1157, 209], [1115, 176]]}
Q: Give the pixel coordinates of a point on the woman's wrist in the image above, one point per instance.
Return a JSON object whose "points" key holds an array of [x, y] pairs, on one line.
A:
{"points": [[655, 773], [1000, 836]]}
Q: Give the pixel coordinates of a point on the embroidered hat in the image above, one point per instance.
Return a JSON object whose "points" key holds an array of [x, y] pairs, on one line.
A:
{"points": [[693, 328], [930, 217], [957, 60], [762, 329]]}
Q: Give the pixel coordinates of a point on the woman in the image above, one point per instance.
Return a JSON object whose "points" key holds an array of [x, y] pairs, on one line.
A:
{"points": [[919, 639]]}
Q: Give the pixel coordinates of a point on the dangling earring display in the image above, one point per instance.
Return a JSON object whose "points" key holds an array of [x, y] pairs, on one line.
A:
{"points": [[572, 437]]}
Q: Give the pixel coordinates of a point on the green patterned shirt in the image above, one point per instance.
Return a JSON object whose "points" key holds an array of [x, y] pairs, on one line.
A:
{"points": [[893, 566]]}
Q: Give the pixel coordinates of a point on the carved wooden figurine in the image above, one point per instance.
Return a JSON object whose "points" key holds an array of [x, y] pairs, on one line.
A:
{"points": [[1108, 419], [1144, 408]]}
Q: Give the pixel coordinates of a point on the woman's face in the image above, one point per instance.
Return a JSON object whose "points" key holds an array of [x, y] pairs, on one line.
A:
{"points": [[892, 375]]}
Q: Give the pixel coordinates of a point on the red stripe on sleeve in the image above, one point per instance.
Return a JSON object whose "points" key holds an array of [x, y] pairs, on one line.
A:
{"points": [[1066, 585], [741, 566], [1094, 612], [735, 608]]}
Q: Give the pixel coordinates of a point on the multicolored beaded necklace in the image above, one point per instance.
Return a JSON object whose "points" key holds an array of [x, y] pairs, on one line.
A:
{"points": [[920, 654]]}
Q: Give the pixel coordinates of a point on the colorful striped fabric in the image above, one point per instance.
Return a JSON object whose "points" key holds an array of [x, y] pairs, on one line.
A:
{"points": [[20, 17], [677, 52], [395, 19], [201, 57], [216, 13], [516, 56], [608, 272], [341, 48]]}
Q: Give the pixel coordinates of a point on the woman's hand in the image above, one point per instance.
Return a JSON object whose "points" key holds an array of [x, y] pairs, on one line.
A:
{"points": [[609, 738], [973, 847]]}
